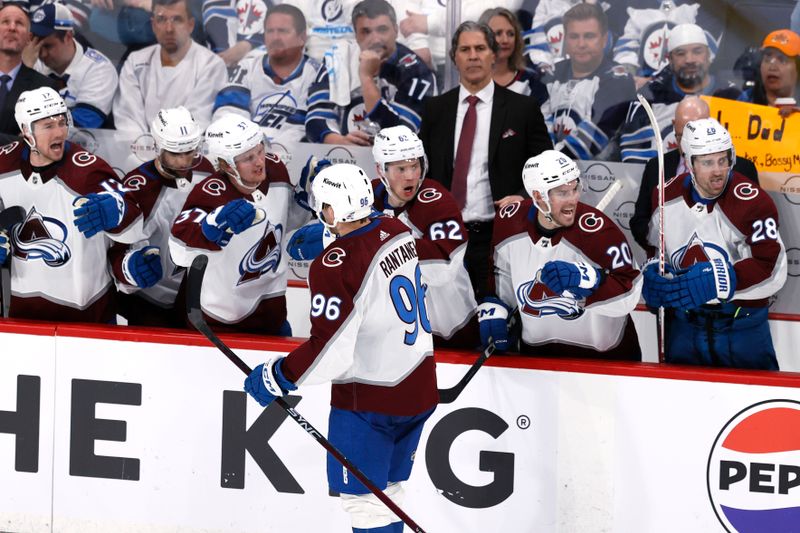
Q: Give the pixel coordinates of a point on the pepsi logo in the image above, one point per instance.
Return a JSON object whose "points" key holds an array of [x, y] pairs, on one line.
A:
{"points": [[753, 473]]}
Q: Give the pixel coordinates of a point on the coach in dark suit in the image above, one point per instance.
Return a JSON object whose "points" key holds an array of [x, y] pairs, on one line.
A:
{"points": [[15, 77], [690, 108], [477, 138]]}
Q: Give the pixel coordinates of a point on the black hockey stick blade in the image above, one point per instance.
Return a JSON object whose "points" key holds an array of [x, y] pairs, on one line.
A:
{"points": [[193, 286], [450, 395], [11, 216]]}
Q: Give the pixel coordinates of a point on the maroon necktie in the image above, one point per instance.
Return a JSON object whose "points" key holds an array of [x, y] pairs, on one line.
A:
{"points": [[464, 152]]}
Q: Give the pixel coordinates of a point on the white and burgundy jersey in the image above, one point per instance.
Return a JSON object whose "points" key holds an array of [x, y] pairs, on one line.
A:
{"points": [[741, 227], [87, 86], [435, 222], [145, 86], [370, 334], [56, 272], [521, 249], [279, 106], [245, 282], [161, 199], [328, 23]]}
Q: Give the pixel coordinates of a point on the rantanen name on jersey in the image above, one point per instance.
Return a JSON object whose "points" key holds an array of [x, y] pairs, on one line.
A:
{"points": [[397, 257]]}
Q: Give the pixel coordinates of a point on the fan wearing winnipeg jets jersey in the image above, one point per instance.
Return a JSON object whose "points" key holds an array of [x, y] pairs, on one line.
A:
{"points": [[725, 255], [384, 84], [238, 217], [160, 188], [63, 254], [588, 94], [271, 88], [370, 336], [567, 268]]}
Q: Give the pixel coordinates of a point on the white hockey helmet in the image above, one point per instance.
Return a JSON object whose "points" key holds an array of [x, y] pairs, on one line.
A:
{"points": [[546, 171], [174, 130], [37, 104], [398, 143], [705, 136], [230, 136], [347, 189]]}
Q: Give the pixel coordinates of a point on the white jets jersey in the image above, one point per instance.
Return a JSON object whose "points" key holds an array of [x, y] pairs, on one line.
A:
{"points": [[741, 227], [227, 22], [520, 251], [328, 22], [544, 42], [278, 107], [145, 87], [87, 86]]}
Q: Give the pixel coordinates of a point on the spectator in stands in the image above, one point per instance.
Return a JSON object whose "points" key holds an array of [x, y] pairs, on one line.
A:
{"points": [[271, 88], [478, 137], [377, 84], [15, 77], [778, 70], [329, 24], [687, 73], [176, 71], [234, 27], [86, 79], [689, 109], [509, 69], [588, 95]]}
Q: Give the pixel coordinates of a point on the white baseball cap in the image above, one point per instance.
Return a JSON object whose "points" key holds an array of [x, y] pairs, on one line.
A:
{"points": [[683, 34]]}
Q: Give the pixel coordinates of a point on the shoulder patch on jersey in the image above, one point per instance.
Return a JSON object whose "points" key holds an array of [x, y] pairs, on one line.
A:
{"points": [[83, 159], [94, 55], [134, 182], [275, 158], [590, 223], [745, 191], [214, 186], [510, 210], [428, 195], [333, 257], [8, 148], [408, 60]]}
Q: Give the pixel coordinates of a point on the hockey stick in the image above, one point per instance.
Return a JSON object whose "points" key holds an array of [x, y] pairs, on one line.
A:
{"points": [[194, 284], [661, 266], [9, 218], [609, 195]]}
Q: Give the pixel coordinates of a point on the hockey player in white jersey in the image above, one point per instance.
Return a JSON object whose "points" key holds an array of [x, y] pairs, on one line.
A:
{"points": [[370, 336], [271, 89], [724, 255], [566, 266], [63, 258], [160, 188]]}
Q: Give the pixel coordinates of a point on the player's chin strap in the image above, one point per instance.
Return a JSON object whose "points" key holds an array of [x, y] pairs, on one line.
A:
{"points": [[194, 285]]}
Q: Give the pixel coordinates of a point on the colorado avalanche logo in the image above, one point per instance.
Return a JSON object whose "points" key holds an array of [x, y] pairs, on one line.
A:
{"points": [[331, 10], [251, 15], [745, 191], [41, 238], [264, 256], [429, 195], [538, 301], [509, 210], [654, 45], [135, 182], [333, 257], [590, 223], [696, 251]]}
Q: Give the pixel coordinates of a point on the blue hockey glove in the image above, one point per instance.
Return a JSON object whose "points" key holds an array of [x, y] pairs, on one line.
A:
{"points": [[236, 216], [266, 382], [704, 282], [98, 212], [493, 323], [657, 290], [5, 247], [302, 194], [143, 267], [309, 241], [580, 279]]}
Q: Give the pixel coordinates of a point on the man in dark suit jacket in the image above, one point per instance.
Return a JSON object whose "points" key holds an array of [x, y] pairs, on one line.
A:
{"points": [[690, 108], [510, 129], [15, 77]]}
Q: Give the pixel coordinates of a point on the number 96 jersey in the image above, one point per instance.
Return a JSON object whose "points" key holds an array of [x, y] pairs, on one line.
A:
{"points": [[370, 333]]}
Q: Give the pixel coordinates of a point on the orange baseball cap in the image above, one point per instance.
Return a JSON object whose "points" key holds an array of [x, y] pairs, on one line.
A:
{"points": [[786, 41]]}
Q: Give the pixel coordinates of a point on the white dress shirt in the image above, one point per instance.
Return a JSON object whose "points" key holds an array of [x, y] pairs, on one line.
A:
{"points": [[479, 206]]}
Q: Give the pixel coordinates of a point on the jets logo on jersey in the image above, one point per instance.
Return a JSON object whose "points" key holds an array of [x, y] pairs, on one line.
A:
{"points": [[357, 117], [555, 36], [275, 109], [565, 120], [654, 45], [264, 256], [331, 10], [251, 15], [42, 238], [695, 251], [537, 300]]}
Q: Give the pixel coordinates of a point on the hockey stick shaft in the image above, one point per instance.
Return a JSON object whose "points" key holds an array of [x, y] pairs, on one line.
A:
{"points": [[9, 217], [194, 285], [661, 247], [609, 195]]}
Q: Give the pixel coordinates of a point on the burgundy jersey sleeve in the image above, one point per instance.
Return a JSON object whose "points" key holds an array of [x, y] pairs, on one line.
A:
{"points": [[142, 184], [209, 194], [437, 216]]}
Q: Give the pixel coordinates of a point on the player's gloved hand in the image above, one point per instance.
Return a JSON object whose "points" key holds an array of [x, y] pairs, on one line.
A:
{"points": [[309, 241], [704, 282], [143, 267], [266, 382], [236, 216], [580, 278], [5, 247], [302, 194], [493, 323], [657, 290], [98, 212]]}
